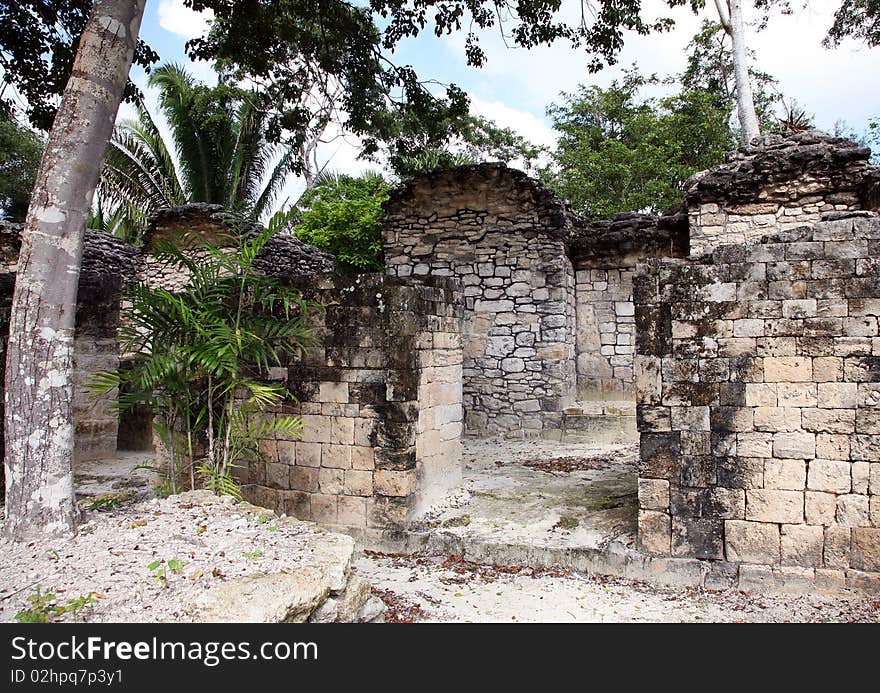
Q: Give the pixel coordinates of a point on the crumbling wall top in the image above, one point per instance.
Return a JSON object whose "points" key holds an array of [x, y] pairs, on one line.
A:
{"points": [[817, 161], [631, 235], [282, 256], [474, 186]]}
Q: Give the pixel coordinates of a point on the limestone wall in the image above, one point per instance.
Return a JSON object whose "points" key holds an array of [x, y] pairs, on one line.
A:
{"points": [[503, 236], [782, 183], [283, 256], [758, 371], [604, 255], [381, 403], [107, 264]]}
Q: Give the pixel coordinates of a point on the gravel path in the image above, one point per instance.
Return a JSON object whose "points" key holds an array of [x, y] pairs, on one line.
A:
{"points": [[443, 588], [150, 561]]}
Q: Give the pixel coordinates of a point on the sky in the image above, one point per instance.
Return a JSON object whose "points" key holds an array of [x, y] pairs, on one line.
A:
{"points": [[515, 86]]}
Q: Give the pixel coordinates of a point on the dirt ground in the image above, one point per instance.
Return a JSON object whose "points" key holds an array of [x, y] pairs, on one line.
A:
{"points": [[425, 588]]}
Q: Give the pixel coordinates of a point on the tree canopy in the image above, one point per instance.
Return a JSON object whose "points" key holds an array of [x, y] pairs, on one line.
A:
{"points": [[38, 41], [218, 154], [343, 215], [618, 151]]}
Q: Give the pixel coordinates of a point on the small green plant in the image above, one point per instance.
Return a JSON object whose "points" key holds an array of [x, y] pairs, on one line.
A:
{"points": [[159, 568], [44, 607], [252, 554]]}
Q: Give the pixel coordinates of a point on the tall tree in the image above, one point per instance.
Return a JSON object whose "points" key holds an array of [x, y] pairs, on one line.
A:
{"points": [[39, 365], [618, 151], [710, 68], [730, 15]]}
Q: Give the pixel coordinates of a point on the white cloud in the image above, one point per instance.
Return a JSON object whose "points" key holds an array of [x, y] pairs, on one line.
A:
{"points": [[832, 84], [530, 126], [175, 17]]}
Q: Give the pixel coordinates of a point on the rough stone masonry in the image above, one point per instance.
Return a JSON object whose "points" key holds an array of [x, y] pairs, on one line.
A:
{"points": [[758, 377]]}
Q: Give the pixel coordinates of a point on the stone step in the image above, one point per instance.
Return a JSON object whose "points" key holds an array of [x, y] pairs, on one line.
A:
{"points": [[606, 422]]}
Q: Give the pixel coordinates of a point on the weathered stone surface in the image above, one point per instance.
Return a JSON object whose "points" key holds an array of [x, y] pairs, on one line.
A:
{"points": [[751, 542]]}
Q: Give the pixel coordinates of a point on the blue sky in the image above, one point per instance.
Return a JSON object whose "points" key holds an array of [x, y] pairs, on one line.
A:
{"points": [[516, 85]]}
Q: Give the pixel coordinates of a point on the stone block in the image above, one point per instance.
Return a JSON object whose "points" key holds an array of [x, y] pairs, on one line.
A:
{"points": [[304, 479], [351, 511], [820, 508], [837, 546], [698, 537], [336, 456], [768, 505], [342, 430], [802, 545], [777, 419], [829, 420], [333, 392], [751, 542], [829, 475], [362, 458], [788, 369], [785, 474], [388, 482], [654, 494], [654, 532], [838, 395], [794, 445], [358, 482], [832, 446], [853, 510]]}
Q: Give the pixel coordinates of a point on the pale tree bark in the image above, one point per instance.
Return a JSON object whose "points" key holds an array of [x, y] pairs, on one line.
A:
{"points": [[731, 16], [39, 363]]}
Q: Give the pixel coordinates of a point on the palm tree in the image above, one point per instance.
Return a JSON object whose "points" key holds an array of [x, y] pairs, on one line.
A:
{"points": [[219, 154]]}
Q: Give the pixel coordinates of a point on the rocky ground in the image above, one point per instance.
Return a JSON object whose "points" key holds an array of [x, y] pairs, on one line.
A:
{"points": [[421, 587], [189, 557], [542, 493]]}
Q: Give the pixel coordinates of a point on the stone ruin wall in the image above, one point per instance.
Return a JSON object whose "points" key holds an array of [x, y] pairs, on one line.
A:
{"points": [[283, 256], [604, 255], [781, 183], [381, 403], [757, 376], [503, 237], [107, 264]]}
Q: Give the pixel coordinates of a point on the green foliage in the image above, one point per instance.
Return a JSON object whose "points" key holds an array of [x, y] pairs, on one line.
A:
{"points": [[710, 69], [20, 152], [252, 554], [199, 356], [858, 19], [218, 138], [457, 141], [44, 607], [38, 41], [343, 215], [619, 152]]}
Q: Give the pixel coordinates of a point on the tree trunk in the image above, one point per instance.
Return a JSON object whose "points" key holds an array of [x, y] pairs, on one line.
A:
{"points": [[39, 364], [745, 102]]}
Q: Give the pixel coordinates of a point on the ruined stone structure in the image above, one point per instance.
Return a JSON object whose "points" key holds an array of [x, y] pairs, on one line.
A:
{"points": [[736, 339], [757, 372], [779, 184], [549, 319], [380, 400], [503, 236]]}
